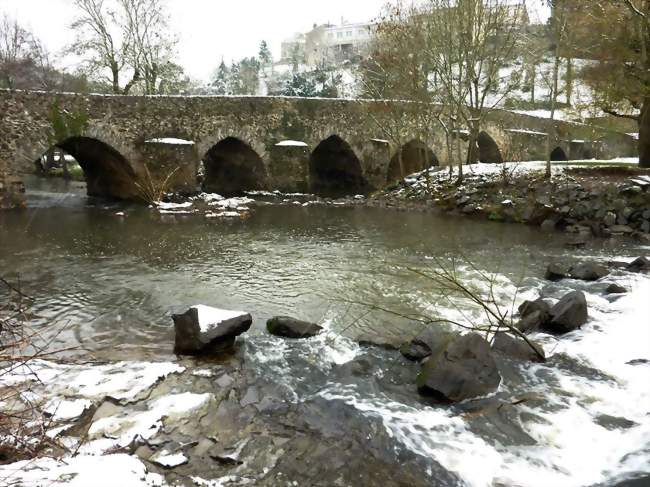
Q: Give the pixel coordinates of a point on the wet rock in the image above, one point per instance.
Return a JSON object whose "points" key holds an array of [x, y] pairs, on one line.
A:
{"points": [[533, 321], [203, 329], [463, 369], [528, 307], [384, 342], [557, 272], [640, 264], [569, 313], [638, 361], [614, 422], [615, 289], [287, 327], [426, 342], [621, 229], [517, 348], [588, 271]]}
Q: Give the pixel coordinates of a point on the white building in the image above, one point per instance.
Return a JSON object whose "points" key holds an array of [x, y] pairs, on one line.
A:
{"points": [[328, 44]]}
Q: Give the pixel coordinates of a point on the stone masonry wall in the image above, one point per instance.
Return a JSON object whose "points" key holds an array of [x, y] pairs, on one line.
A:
{"points": [[124, 123]]}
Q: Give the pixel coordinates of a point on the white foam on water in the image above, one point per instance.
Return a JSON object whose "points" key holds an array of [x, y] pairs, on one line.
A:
{"points": [[572, 448]]}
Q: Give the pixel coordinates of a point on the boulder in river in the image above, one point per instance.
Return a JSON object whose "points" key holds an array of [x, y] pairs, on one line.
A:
{"points": [[640, 264], [569, 313], [557, 272], [203, 329], [615, 289], [427, 342], [528, 307], [287, 327], [534, 315], [387, 342], [588, 271], [463, 369], [517, 348]]}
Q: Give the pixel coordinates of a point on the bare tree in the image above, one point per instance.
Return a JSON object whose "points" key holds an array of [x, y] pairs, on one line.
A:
{"points": [[616, 34], [470, 45], [125, 39], [20, 53], [559, 24]]}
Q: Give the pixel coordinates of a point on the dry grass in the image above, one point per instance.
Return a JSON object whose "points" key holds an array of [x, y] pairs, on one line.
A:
{"points": [[150, 189]]}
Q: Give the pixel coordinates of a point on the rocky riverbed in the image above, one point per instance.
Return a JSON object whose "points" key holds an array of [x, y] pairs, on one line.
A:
{"points": [[320, 409], [585, 201]]}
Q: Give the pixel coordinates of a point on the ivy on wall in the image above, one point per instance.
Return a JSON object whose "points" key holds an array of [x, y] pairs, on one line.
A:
{"points": [[65, 124]]}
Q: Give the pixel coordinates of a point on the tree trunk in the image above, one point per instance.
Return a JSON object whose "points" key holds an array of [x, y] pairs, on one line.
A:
{"points": [[569, 81], [644, 134]]}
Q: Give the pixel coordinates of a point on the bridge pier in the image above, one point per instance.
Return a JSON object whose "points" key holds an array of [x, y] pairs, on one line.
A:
{"points": [[289, 167], [12, 193], [375, 156], [169, 165]]}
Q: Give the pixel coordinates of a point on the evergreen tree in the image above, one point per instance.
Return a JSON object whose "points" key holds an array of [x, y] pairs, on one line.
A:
{"points": [[265, 56], [249, 71], [220, 79], [235, 79]]}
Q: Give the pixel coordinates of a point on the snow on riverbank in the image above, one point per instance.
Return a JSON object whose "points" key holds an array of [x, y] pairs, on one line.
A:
{"points": [[81, 471]]}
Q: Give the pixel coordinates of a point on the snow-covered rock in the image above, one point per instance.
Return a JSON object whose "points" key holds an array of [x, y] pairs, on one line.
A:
{"points": [[204, 328]]}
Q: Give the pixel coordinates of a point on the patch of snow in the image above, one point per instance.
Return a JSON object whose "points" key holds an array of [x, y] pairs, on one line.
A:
{"points": [[233, 203], [81, 471], [169, 460], [380, 141], [112, 431], [173, 206], [634, 135], [62, 409], [523, 131], [222, 481], [291, 143], [209, 197], [170, 141], [210, 318], [121, 380]]}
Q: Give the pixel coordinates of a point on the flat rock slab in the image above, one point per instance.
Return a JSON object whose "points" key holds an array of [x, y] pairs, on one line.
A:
{"points": [[202, 329]]}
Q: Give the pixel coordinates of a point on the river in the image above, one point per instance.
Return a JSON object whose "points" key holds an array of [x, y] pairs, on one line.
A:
{"points": [[111, 275]]}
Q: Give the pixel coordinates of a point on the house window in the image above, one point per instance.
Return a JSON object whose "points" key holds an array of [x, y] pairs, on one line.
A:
{"points": [[349, 33], [339, 35]]}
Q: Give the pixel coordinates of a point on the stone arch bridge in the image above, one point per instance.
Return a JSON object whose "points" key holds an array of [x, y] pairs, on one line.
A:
{"points": [[130, 144]]}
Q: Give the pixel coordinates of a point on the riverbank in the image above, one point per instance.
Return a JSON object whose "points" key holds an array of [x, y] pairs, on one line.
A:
{"points": [[585, 200]]}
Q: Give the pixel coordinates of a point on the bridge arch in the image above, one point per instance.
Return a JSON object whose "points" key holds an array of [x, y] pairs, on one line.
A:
{"points": [[488, 149], [559, 155], [231, 167], [107, 171], [335, 170], [415, 156]]}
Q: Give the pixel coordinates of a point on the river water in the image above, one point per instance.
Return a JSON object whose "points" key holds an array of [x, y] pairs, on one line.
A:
{"points": [[110, 276]]}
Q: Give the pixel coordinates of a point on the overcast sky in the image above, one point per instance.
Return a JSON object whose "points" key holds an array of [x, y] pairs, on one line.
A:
{"points": [[209, 29]]}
